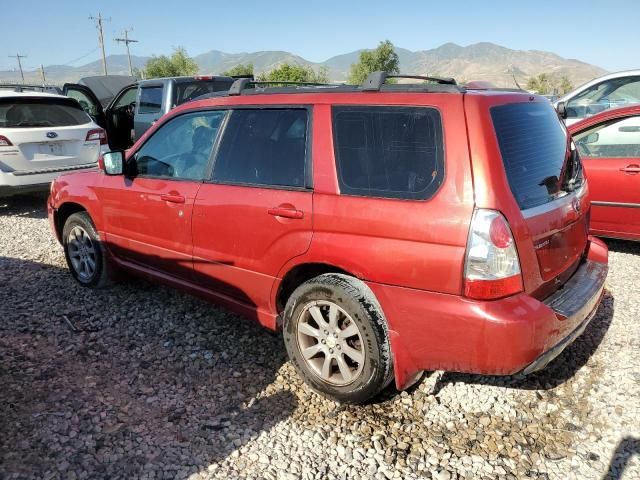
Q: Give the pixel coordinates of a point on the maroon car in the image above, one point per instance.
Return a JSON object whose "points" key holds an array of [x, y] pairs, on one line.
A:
{"points": [[385, 228]]}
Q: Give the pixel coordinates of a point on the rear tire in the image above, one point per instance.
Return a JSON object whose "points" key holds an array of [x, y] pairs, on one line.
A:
{"points": [[84, 251], [337, 338]]}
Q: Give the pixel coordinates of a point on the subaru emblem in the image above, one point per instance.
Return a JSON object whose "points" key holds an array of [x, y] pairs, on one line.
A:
{"points": [[52, 134]]}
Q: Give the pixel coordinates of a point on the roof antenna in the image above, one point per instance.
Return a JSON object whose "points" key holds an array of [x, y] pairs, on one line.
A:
{"points": [[516, 81]]}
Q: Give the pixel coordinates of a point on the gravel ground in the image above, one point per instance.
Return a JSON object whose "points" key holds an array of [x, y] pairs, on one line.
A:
{"points": [[141, 381]]}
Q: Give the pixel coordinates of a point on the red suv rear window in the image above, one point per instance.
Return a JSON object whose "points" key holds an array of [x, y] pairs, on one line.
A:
{"points": [[533, 144]]}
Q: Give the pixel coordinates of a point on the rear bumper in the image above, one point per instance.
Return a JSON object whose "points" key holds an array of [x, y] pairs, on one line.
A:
{"points": [[518, 334], [12, 183], [9, 190]]}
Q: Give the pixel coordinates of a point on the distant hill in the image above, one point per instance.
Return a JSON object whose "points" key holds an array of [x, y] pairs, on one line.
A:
{"points": [[480, 61]]}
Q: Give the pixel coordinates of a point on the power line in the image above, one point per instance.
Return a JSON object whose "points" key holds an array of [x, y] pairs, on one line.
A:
{"points": [[80, 57], [99, 20], [126, 40], [17, 56]]}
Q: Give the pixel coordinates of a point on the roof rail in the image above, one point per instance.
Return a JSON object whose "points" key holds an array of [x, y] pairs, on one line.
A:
{"points": [[375, 80], [242, 83], [21, 87]]}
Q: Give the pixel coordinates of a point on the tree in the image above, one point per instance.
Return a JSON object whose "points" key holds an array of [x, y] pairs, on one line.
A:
{"points": [[546, 84], [179, 63], [540, 84], [383, 58], [288, 72], [239, 70], [565, 85]]}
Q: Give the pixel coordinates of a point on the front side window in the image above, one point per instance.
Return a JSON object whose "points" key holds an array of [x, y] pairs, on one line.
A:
{"points": [[263, 147], [613, 93], [127, 98], [150, 100], [181, 148], [392, 152], [41, 112], [619, 138]]}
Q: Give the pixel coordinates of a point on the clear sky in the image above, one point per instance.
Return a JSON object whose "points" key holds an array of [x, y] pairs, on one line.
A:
{"points": [[602, 32]]}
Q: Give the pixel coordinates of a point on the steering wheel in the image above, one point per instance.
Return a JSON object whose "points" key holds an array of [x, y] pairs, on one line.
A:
{"points": [[153, 166]]}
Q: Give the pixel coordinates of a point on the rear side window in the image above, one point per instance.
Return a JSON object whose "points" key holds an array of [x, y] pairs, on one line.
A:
{"points": [[150, 100], [41, 112], [263, 147], [187, 91], [533, 144], [392, 152]]}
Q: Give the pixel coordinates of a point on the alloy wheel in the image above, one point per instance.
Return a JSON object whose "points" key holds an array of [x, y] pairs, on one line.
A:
{"points": [[330, 342], [82, 253]]}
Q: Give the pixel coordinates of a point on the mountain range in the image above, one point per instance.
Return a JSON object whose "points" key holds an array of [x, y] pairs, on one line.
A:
{"points": [[479, 61]]}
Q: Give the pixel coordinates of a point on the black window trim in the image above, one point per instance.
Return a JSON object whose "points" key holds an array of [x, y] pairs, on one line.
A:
{"points": [[400, 105], [133, 155], [308, 161]]}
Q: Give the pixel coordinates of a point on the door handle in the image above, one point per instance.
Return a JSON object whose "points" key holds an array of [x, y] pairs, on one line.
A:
{"points": [[631, 169], [173, 197], [285, 212]]}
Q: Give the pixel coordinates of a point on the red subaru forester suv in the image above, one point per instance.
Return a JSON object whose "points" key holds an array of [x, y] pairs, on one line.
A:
{"points": [[386, 228]]}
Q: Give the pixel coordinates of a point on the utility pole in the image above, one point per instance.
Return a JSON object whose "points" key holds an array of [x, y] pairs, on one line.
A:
{"points": [[44, 79], [99, 20], [17, 56], [126, 40]]}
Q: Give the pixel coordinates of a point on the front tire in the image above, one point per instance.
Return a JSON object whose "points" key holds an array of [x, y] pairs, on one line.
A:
{"points": [[337, 338], [84, 252]]}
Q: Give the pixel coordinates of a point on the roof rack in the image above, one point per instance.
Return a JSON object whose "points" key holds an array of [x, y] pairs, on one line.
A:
{"points": [[242, 83], [375, 80]]}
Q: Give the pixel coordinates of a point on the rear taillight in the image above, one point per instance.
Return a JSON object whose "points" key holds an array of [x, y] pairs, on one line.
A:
{"points": [[5, 142], [97, 134], [492, 267]]}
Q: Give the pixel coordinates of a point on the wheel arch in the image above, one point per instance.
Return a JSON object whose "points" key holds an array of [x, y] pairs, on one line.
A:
{"points": [[296, 275], [63, 212]]}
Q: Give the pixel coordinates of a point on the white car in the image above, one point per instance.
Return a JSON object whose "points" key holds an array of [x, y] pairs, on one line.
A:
{"points": [[610, 91], [41, 136]]}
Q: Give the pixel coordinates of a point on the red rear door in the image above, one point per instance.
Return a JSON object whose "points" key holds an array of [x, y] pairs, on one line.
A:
{"points": [[611, 155], [256, 212]]}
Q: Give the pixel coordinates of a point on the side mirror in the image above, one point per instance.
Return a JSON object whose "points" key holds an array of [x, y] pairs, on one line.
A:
{"points": [[592, 138], [562, 110], [113, 162]]}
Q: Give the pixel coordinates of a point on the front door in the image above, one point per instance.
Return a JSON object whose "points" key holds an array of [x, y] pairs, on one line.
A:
{"points": [[255, 213], [148, 212], [611, 155], [119, 118], [87, 100]]}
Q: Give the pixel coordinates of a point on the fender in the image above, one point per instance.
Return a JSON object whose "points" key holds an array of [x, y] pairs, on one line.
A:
{"points": [[78, 188]]}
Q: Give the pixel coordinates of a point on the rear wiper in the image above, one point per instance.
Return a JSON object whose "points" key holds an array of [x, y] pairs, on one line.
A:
{"points": [[574, 167]]}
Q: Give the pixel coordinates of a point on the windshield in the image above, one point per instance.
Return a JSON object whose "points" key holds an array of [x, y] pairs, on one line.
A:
{"points": [[533, 143], [41, 112], [603, 96]]}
